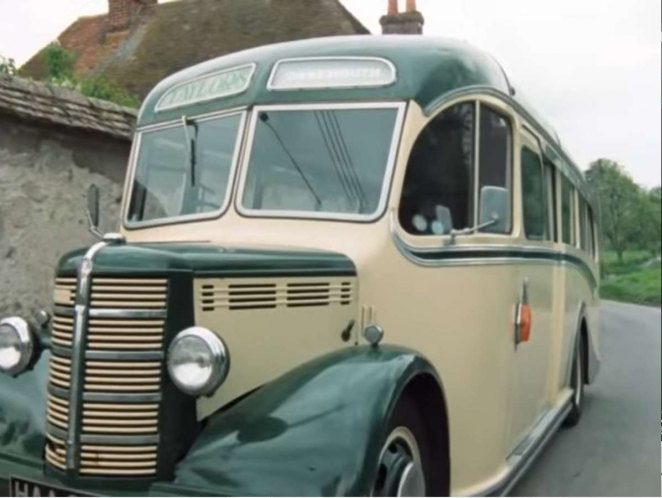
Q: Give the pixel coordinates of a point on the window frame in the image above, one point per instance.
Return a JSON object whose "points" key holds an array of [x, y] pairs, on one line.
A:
{"points": [[135, 157], [507, 113], [547, 236], [572, 215], [510, 165], [400, 107]]}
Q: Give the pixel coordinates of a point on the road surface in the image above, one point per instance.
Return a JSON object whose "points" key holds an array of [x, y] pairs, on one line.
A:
{"points": [[614, 450]]}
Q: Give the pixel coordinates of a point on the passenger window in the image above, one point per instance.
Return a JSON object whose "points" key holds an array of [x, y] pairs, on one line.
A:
{"points": [[568, 211], [534, 202], [437, 194], [494, 163], [550, 179]]}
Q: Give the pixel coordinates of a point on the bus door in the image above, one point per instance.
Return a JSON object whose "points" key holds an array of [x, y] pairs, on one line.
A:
{"points": [[532, 337]]}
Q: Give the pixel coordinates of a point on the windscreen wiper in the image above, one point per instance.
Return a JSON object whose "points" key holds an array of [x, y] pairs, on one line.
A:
{"points": [[191, 159]]}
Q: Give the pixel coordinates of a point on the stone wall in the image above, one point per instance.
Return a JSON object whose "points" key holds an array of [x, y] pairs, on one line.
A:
{"points": [[44, 176]]}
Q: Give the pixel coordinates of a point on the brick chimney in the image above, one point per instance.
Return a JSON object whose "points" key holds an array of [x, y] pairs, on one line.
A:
{"points": [[122, 13], [409, 22]]}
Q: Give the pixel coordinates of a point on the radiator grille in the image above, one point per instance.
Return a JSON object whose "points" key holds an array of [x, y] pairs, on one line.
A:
{"points": [[119, 418], [265, 295]]}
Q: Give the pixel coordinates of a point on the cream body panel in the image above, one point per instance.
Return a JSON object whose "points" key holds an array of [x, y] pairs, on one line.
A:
{"points": [[264, 343]]}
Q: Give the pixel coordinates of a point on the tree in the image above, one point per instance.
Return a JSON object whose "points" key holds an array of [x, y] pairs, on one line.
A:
{"points": [[7, 66], [59, 64], [620, 204]]}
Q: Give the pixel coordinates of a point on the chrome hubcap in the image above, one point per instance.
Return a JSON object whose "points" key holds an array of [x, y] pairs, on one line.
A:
{"points": [[400, 470]]}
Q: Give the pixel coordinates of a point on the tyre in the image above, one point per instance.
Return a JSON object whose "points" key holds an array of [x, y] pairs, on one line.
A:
{"points": [[577, 382], [406, 459]]}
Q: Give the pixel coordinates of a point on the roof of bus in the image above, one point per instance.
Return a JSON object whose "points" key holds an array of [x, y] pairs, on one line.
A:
{"points": [[428, 69]]}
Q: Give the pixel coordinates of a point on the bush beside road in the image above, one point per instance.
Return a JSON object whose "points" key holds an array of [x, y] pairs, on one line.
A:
{"points": [[637, 279]]}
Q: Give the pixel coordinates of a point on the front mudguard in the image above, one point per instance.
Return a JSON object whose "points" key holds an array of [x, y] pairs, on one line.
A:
{"points": [[23, 412], [315, 431]]}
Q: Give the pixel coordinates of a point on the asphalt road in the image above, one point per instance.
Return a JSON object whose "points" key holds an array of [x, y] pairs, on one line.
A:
{"points": [[615, 449]]}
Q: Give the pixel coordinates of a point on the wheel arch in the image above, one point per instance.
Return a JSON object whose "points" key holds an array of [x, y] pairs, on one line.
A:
{"points": [[428, 393]]}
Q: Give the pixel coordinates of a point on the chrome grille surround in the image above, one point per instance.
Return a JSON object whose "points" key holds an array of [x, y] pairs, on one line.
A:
{"points": [[105, 374]]}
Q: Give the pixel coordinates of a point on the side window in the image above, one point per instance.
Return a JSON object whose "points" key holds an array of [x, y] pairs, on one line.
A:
{"points": [[534, 202], [568, 211], [550, 181], [438, 189], [494, 158]]}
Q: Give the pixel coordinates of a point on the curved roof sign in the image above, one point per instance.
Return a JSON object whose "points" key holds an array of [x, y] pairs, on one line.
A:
{"points": [[307, 73], [217, 85]]}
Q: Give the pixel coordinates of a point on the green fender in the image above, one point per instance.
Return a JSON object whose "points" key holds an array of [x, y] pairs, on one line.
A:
{"points": [[317, 430], [23, 412]]}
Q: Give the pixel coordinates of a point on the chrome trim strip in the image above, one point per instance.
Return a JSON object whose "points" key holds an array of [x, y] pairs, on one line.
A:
{"points": [[125, 355], [122, 398], [127, 440], [523, 456], [159, 105], [274, 72], [388, 171], [119, 313], [77, 353], [523, 255], [129, 225]]}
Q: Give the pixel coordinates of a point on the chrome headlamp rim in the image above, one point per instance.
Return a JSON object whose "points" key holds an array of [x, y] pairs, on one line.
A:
{"points": [[25, 341], [220, 360]]}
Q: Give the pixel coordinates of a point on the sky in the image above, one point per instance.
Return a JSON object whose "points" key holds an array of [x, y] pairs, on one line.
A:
{"points": [[590, 67]]}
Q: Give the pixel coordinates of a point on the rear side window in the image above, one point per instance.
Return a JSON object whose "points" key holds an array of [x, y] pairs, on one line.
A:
{"points": [[534, 202], [568, 211], [438, 190]]}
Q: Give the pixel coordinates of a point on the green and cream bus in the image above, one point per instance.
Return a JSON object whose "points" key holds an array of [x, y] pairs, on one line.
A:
{"points": [[346, 266]]}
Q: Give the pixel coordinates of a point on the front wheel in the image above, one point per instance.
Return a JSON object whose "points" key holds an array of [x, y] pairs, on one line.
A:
{"points": [[404, 460], [577, 381]]}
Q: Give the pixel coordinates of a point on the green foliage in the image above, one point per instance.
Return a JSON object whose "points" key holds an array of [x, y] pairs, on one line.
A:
{"points": [[7, 66], [105, 90], [628, 216], [641, 287], [59, 64], [635, 279]]}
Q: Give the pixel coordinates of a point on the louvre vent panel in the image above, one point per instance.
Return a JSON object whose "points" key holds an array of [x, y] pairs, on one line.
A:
{"points": [[128, 293], [243, 296], [114, 327]]}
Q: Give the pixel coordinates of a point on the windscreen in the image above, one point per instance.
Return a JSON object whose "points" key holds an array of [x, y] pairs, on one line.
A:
{"points": [[184, 170], [326, 161]]}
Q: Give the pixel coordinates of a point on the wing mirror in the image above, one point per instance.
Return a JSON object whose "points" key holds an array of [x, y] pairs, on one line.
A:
{"points": [[494, 213], [494, 210]]}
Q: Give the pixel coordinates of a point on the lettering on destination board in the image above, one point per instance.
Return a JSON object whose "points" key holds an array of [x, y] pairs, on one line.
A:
{"points": [[214, 86], [306, 74]]}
